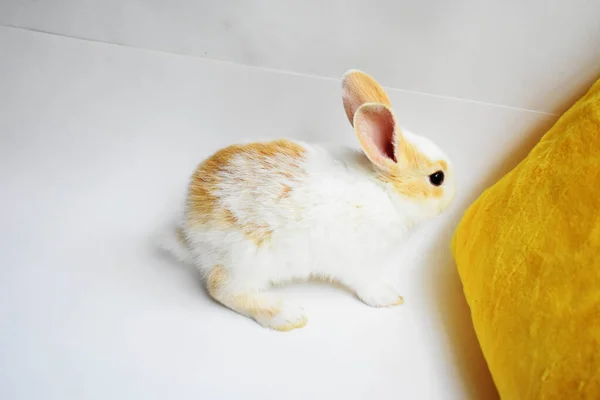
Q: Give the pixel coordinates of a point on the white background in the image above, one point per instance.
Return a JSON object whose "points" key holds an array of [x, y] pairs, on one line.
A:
{"points": [[107, 106]]}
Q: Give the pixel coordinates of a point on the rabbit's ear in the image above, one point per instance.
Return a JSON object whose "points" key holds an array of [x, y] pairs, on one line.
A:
{"points": [[375, 127], [359, 88]]}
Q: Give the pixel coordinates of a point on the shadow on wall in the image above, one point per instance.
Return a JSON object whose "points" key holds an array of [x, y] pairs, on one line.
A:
{"points": [[446, 287], [581, 88]]}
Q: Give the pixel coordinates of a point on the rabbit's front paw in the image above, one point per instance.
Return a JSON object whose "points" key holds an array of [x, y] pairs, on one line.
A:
{"points": [[379, 296]]}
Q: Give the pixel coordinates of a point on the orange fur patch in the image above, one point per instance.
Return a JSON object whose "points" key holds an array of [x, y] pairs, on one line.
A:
{"points": [[410, 177], [244, 303], [290, 326], [216, 279], [205, 207], [285, 192], [259, 234]]}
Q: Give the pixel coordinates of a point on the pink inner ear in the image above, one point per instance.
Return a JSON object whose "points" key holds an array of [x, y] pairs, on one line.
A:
{"points": [[375, 123], [387, 145]]}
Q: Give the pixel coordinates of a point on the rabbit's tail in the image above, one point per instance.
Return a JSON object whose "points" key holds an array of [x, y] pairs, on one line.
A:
{"points": [[172, 240]]}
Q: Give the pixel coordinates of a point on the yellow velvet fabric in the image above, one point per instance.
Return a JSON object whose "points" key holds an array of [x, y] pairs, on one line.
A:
{"points": [[528, 255]]}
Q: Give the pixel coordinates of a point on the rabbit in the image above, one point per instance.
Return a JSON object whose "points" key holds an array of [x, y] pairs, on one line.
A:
{"points": [[266, 213]]}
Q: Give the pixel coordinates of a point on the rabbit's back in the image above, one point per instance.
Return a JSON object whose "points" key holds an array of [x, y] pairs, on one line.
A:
{"points": [[247, 188]]}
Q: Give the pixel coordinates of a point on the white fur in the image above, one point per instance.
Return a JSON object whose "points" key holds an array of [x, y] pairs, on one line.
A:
{"points": [[170, 241]]}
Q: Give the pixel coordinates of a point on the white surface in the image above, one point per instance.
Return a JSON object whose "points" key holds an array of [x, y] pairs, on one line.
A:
{"points": [[535, 54], [96, 144]]}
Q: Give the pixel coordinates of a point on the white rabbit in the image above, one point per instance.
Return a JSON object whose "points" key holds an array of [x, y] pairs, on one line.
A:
{"points": [[264, 213]]}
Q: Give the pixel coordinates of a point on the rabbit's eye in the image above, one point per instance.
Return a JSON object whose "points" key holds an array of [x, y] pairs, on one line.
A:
{"points": [[437, 178]]}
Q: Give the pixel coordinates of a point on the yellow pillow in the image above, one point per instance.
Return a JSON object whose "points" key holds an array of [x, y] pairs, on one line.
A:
{"points": [[528, 254]]}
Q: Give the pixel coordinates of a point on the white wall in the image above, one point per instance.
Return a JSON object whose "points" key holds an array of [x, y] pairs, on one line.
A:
{"points": [[97, 142], [533, 54]]}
